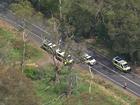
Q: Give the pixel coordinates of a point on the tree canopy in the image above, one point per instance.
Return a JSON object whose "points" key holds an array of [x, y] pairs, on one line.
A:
{"points": [[114, 22]]}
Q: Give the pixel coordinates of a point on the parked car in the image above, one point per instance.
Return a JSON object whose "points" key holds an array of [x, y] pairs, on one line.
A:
{"points": [[89, 59], [51, 45], [48, 46], [61, 55], [68, 60], [121, 64], [45, 44]]}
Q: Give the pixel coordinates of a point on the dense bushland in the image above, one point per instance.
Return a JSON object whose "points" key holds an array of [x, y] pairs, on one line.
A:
{"points": [[116, 23]]}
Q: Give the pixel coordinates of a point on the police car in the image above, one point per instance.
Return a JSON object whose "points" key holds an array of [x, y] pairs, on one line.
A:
{"points": [[121, 64], [89, 59]]}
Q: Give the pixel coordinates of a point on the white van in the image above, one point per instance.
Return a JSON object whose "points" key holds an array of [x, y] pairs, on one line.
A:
{"points": [[121, 64]]}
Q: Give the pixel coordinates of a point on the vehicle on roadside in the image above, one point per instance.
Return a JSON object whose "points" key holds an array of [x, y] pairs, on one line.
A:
{"points": [[51, 45], [121, 64], [48, 46], [45, 44], [61, 56], [68, 60], [89, 59]]}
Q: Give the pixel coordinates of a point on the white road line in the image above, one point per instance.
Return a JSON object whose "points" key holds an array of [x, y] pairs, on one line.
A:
{"points": [[98, 62], [110, 60], [115, 81], [98, 53], [21, 27], [34, 34], [120, 74], [135, 75], [38, 27]]}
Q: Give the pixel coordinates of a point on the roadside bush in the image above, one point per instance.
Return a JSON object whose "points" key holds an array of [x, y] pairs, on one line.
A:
{"points": [[60, 88], [16, 89], [32, 52], [32, 73]]}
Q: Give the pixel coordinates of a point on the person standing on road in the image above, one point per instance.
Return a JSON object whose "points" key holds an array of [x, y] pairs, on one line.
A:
{"points": [[125, 85]]}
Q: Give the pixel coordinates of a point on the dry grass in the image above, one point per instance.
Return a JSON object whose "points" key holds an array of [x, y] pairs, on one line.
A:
{"points": [[108, 88]]}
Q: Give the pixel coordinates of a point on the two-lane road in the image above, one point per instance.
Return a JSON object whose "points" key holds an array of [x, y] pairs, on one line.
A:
{"points": [[118, 78], [103, 66]]}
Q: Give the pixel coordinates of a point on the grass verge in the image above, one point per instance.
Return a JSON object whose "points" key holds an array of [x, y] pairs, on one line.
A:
{"points": [[102, 93]]}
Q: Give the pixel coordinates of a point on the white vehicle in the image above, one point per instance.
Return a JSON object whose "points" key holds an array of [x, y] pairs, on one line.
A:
{"points": [[121, 64], [69, 60], [52, 46], [60, 53], [61, 56], [49, 44], [89, 59], [45, 44]]}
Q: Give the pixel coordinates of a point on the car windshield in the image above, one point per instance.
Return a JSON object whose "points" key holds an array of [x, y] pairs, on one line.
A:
{"points": [[118, 59], [125, 65], [90, 58]]}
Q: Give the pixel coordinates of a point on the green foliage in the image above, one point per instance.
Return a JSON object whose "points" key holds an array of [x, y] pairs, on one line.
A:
{"points": [[14, 55], [32, 73], [6, 35], [32, 53], [80, 19], [50, 5], [60, 88], [123, 23], [7, 53], [49, 92], [16, 89], [11, 48], [46, 6], [22, 9], [115, 22]]}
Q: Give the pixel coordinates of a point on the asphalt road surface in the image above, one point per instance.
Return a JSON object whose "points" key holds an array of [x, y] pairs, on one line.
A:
{"points": [[103, 66]]}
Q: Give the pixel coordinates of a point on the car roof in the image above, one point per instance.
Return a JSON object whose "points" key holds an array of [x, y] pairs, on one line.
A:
{"points": [[50, 44], [46, 41], [87, 55], [123, 62], [53, 45], [57, 50], [60, 52], [120, 60]]}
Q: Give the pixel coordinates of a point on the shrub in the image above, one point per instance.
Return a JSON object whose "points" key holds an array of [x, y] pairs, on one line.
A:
{"points": [[32, 73]]}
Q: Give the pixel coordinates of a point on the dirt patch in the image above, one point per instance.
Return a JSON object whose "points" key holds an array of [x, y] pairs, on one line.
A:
{"points": [[6, 25], [47, 59]]}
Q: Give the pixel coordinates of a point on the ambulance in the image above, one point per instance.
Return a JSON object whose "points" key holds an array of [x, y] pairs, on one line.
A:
{"points": [[121, 64]]}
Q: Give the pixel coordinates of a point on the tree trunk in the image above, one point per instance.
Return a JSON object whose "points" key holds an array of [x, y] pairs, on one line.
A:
{"points": [[69, 90], [70, 82], [56, 70], [57, 73]]}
